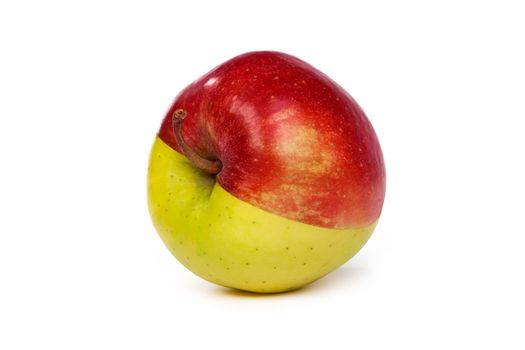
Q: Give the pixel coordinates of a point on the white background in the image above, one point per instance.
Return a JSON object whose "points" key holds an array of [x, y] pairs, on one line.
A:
{"points": [[83, 88]]}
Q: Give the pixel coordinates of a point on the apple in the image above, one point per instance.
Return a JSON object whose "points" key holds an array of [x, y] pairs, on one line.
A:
{"points": [[265, 175]]}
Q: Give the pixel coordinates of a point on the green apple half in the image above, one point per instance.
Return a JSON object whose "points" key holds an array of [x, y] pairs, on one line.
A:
{"points": [[232, 243]]}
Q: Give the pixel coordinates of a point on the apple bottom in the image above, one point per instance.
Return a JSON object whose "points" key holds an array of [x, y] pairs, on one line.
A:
{"points": [[235, 244]]}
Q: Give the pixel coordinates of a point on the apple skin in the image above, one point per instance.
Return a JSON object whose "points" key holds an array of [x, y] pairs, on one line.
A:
{"points": [[302, 181]]}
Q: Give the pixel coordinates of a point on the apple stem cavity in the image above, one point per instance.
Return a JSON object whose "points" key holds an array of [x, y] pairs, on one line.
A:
{"points": [[207, 165]]}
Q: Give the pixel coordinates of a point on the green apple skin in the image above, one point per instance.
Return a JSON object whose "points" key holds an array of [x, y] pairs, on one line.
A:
{"points": [[233, 243]]}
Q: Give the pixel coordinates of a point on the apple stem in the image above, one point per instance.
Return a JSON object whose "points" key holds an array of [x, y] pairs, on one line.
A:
{"points": [[209, 166]]}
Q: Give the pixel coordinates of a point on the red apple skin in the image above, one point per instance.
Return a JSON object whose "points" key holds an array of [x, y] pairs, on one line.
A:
{"points": [[291, 140]]}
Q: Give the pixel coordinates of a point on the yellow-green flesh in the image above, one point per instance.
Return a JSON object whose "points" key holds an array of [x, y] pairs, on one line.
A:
{"points": [[235, 244]]}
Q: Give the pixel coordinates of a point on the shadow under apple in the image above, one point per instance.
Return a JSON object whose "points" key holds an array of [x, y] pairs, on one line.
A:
{"points": [[342, 277]]}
